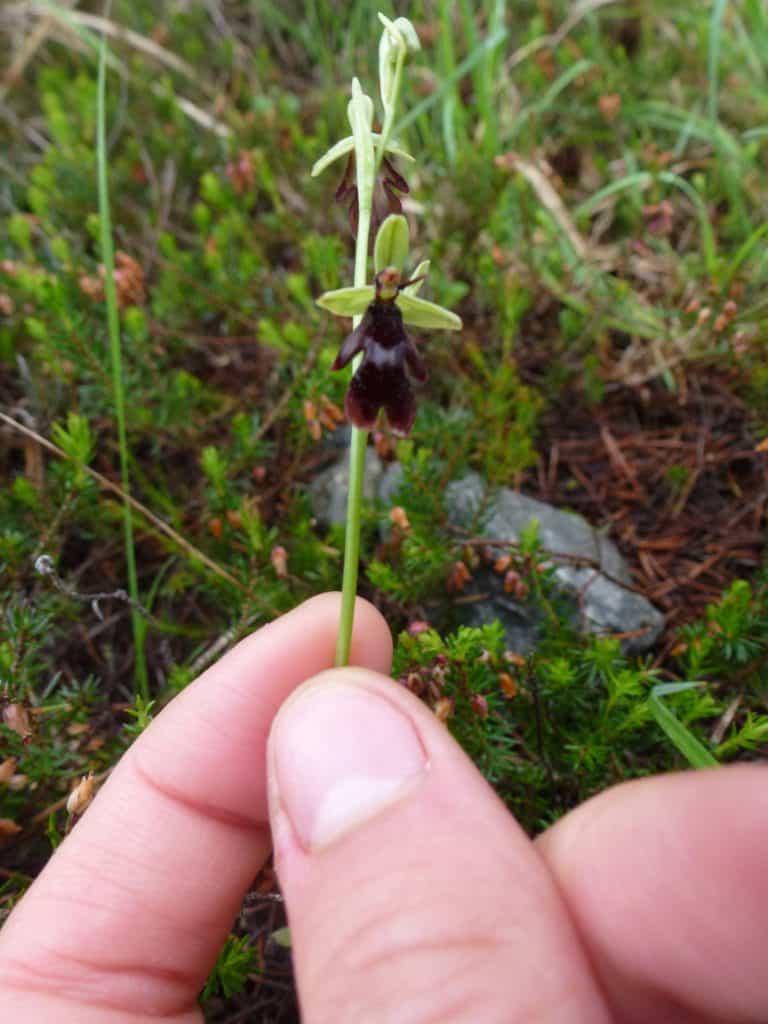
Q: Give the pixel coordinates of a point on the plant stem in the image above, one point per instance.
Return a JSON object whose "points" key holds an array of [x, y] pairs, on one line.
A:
{"points": [[357, 449], [113, 330]]}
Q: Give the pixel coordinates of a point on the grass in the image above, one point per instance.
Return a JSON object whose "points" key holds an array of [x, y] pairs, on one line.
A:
{"points": [[115, 353], [590, 191]]}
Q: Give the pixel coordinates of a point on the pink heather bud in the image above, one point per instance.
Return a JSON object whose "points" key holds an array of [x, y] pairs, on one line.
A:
{"points": [[418, 626], [479, 705], [279, 560]]}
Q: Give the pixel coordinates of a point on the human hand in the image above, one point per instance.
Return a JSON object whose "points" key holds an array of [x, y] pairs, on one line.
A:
{"points": [[412, 894]]}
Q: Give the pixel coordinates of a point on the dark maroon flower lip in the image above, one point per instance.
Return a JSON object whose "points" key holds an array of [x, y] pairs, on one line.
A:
{"points": [[386, 200], [381, 381]]}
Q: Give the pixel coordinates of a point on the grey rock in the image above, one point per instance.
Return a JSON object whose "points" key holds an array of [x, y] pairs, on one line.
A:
{"points": [[602, 601], [328, 490], [390, 482], [521, 619]]}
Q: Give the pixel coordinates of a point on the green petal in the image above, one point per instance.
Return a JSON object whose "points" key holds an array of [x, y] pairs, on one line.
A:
{"points": [[339, 150], [421, 271], [392, 243], [420, 313], [394, 149], [348, 301]]}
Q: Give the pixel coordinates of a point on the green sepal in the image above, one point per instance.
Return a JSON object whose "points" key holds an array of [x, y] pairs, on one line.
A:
{"points": [[421, 271], [360, 113], [346, 145], [392, 243], [348, 301], [428, 315]]}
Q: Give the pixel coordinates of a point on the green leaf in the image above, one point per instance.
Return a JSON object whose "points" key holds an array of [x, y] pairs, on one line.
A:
{"points": [[695, 752], [392, 243], [347, 301], [420, 313]]}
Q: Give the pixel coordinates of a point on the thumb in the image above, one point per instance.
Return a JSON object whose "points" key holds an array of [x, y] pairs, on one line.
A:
{"points": [[412, 894]]}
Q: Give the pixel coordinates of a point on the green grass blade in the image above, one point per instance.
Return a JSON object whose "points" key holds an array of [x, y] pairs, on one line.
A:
{"points": [[744, 252], [708, 240], [695, 752], [713, 57], [479, 53], [113, 330]]}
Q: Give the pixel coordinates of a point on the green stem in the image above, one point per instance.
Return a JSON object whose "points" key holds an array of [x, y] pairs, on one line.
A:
{"points": [[113, 330], [357, 449]]}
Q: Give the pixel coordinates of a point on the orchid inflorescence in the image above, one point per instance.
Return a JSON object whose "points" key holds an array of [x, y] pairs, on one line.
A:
{"points": [[379, 338], [379, 348]]}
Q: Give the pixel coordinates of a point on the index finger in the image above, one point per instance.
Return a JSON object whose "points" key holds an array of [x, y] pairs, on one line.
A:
{"points": [[132, 909]]}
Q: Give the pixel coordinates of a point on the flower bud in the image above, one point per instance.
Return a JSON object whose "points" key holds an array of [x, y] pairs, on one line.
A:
{"points": [[279, 560], [507, 685], [399, 517], [16, 717], [7, 768], [81, 796], [8, 828], [443, 709], [459, 576], [479, 705], [418, 626]]}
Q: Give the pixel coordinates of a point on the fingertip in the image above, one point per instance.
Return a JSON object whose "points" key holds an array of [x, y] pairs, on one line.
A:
{"points": [[681, 857]]}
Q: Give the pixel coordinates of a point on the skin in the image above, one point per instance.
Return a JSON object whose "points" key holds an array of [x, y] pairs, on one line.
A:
{"points": [[645, 904]]}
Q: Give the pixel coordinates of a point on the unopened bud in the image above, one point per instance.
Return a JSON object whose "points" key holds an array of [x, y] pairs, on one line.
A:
{"points": [[7, 768], [507, 685], [414, 683], [513, 584], [443, 709], [16, 717], [81, 796], [279, 560], [459, 576], [418, 626], [479, 705], [399, 517]]}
